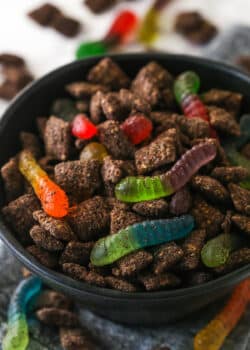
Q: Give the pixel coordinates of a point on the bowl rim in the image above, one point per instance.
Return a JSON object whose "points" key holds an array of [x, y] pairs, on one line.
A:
{"points": [[74, 286]]}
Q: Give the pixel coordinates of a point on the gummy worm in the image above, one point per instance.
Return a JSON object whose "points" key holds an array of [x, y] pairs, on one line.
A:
{"points": [[216, 251], [54, 200], [137, 189], [145, 234], [186, 87], [148, 31], [213, 335], [120, 31], [17, 336]]}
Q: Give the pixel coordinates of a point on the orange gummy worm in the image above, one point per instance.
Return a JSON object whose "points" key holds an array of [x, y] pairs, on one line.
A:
{"points": [[54, 200], [213, 335]]}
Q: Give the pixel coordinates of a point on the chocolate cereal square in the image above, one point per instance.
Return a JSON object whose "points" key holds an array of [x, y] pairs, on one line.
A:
{"points": [[159, 152], [44, 14], [108, 73], [155, 208], [121, 218], [78, 178], [240, 198], [99, 6], [19, 215], [112, 137], [66, 26], [90, 219], [153, 83], [57, 138], [207, 217], [132, 263], [229, 100], [13, 180]]}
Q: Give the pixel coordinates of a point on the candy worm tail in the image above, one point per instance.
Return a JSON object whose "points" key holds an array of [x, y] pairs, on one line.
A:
{"points": [[149, 29], [136, 189], [148, 233], [17, 336], [213, 335], [53, 198]]}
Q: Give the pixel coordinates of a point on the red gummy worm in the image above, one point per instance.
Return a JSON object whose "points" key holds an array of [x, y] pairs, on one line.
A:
{"points": [[137, 128], [83, 128], [194, 108], [124, 24]]}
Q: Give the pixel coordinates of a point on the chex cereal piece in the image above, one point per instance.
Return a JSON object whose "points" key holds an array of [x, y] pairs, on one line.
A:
{"points": [[166, 257], [7, 59], [238, 258], [194, 27], [50, 16], [18, 214], [181, 202], [207, 217], [51, 298], [162, 281], [120, 284], [154, 209], [53, 316], [65, 25], [12, 179], [133, 102], [211, 188], [132, 263], [95, 108], [121, 218], [193, 127], [242, 222], [80, 89], [229, 100], [80, 273], [223, 121], [108, 73], [240, 198], [113, 171], [76, 252], [90, 219], [57, 138], [99, 6], [159, 152], [56, 227], [192, 250], [43, 256], [31, 143], [76, 339], [44, 239], [112, 137], [78, 178], [112, 107], [154, 83], [44, 14], [230, 174]]}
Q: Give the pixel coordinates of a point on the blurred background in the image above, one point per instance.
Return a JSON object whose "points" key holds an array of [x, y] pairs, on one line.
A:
{"points": [[44, 48]]}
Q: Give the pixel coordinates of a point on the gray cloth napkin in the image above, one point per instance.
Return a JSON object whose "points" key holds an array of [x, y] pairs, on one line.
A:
{"points": [[178, 336]]}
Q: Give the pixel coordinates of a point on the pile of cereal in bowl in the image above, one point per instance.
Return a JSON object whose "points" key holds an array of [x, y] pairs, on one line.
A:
{"points": [[135, 185]]}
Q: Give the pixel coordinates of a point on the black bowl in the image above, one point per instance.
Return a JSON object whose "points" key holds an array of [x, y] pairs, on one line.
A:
{"points": [[152, 308]]}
